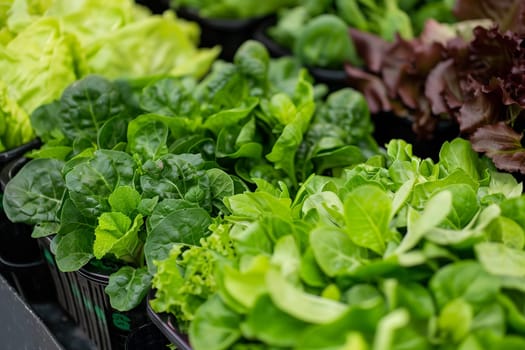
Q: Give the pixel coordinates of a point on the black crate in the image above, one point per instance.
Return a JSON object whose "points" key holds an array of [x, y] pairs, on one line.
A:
{"points": [[334, 79], [9, 155], [228, 33], [81, 294], [165, 324]]}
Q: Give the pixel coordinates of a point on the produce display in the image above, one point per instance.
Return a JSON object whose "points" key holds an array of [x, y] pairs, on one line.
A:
{"points": [[245, 200], [397, 252], [47, 45], [128, 174]]}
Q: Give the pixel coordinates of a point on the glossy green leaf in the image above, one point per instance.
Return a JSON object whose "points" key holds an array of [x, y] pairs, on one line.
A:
{"points": [[271, 325], [124, 199], [334, 251], [74, 250], [127, 287], [303, 306], [367, 215], [35, 193], [187, 225], [215, 326]]}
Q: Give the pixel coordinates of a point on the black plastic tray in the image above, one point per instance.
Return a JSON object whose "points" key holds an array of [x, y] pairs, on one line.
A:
{"points": [[164, 324], [81, 294], [155, 6], [228, 33], [9, 155], [388, 126], [334, 79]]}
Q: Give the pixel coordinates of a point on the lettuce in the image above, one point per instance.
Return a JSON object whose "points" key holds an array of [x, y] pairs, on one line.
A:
{"points": [[47, 45], [152, 46], [365, 260], [15, 127], [470, 73]]}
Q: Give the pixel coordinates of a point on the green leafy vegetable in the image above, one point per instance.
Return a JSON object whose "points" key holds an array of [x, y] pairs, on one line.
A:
{"points": [[366, 259], [128, 287], [54, 43]]}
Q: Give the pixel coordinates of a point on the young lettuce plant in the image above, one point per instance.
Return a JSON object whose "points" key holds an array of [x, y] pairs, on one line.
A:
{"points": [[394, 251], [266, 118]]}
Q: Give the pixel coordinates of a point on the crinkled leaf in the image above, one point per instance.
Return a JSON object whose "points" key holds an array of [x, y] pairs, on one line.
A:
{"points": [[147, 138], [127, 287], [35, 193], [124, 199], [118, 235], [74, 249], [92, 181], [187, 225], [501, 144]]}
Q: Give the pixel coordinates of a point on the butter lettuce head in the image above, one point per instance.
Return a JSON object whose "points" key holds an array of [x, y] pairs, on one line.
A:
{"points": [[152, 46], [15, 127], [37, 65]]}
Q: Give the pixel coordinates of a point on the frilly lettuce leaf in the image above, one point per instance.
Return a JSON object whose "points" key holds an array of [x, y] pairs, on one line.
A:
{"points": [[47, 45], [152, 46], [14, 122]]}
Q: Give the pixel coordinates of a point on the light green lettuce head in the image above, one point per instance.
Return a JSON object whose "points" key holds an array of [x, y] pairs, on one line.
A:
{"points": [[45, 45]]}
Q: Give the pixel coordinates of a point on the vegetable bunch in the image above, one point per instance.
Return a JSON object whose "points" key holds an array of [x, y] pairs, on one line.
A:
{"points": [[398, 252]]}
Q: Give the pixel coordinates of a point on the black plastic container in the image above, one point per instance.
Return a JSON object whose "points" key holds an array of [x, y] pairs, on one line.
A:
{"points": [[10, 155], [166, 326], [20, 260], [155, 6], [81, 294], [228, 33], [388, 126], [334, 79]]}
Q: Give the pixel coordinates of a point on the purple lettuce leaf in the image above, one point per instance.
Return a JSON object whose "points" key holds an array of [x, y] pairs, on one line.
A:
{"points": [[502, 144]]}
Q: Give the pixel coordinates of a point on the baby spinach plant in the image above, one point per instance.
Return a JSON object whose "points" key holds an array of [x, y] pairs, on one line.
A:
{"points": [[396, 252]]}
